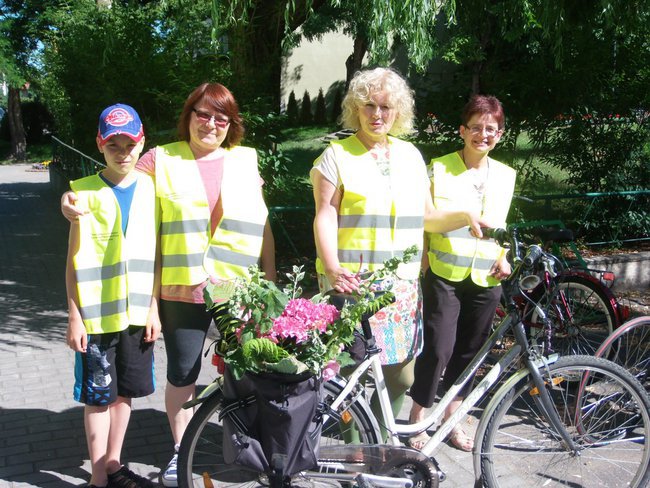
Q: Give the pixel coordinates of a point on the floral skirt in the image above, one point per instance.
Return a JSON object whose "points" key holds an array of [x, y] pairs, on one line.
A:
{"points": [[398, 327]]}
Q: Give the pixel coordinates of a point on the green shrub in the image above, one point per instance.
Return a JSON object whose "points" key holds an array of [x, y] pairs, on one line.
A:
{"points": [[306, 117], [292, 109], [320, 115], [282, 186], [336, 106], [605, 153]]}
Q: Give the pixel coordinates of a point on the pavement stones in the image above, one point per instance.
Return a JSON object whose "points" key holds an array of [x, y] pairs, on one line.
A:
{"points": [[42, 442]]}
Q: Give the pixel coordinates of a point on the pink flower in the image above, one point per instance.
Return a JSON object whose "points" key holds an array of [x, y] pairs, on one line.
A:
{"points": [[300, 317], [330, 370]]}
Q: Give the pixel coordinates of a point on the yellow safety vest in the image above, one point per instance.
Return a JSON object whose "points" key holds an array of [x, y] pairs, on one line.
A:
{"points": [[114, 272], [379, 217], [189, 253], [455, 255]]}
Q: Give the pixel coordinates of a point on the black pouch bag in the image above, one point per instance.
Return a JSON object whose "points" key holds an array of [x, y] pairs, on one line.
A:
{"points": [[271, 419]]}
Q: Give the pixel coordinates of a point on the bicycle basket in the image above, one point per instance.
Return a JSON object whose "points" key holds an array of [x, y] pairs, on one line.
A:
{"points": [[270, 417]]}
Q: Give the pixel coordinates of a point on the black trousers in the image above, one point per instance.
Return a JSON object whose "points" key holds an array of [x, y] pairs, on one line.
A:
{"points": [[457, 318]]}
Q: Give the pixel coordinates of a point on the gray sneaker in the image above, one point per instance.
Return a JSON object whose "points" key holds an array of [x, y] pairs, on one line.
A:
{"points": [[169, 477]]}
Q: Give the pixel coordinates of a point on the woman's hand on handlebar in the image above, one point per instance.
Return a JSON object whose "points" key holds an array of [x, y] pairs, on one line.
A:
{"points": [[68, 208], [501, 268], [343, 280], [476, 224]]}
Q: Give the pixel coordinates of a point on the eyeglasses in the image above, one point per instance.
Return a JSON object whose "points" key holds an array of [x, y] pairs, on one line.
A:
{"points": [[489, 131], [205, 117]]}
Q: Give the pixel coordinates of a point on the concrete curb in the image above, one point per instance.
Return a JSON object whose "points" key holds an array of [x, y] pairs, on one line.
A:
{"points": [[632, 270]]}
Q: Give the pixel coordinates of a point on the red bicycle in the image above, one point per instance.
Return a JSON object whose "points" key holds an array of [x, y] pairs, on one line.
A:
{"points": [[578, 301]]}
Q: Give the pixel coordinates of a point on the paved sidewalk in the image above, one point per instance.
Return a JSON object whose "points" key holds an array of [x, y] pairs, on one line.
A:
{"points": [[42, 439]]}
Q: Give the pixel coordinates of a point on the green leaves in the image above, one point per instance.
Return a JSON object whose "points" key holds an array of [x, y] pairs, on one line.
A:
{"points": [[258, 332]]}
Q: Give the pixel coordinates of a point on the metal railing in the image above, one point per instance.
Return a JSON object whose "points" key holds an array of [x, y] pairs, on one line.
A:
{"points": [[71, 162], [575, 216]]}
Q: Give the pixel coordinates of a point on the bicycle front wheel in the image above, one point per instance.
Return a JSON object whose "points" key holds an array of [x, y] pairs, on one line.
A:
{"points": [[605, 411], [629, 346], [581, 313], [200, 455]]}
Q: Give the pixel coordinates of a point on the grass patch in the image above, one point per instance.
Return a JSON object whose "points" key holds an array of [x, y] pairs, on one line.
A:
{"points": [[302, 145]]}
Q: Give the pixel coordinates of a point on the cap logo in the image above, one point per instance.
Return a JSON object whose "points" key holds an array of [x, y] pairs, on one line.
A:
{"points": [[118, 117]]}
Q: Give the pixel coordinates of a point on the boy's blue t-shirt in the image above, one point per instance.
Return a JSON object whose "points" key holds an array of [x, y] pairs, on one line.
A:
{"points": [[124, 198]]}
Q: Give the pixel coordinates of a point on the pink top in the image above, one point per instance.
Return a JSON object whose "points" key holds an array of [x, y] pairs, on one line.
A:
{"points": [[211, 171]]}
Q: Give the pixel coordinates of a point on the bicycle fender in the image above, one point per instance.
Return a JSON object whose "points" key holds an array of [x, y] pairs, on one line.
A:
{"points": [[494, 403], [611, 298]]}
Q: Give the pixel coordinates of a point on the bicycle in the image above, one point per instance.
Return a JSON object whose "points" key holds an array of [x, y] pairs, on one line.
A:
{"points": [[629, 346], [581, 306], [549, 423]]}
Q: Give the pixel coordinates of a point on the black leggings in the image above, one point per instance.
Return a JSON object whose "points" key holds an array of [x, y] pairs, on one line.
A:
{"points": [[457, 317], [184, 327]]}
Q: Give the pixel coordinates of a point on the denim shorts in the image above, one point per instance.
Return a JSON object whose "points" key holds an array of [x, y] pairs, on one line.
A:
{"points": [[114, 364]]}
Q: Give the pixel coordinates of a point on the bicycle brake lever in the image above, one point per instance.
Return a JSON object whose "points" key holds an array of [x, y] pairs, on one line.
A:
{"points": [[549, 268]]}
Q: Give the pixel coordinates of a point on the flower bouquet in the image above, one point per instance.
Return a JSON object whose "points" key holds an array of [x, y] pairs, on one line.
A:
{"points": [[265, 329], [278, 349]]}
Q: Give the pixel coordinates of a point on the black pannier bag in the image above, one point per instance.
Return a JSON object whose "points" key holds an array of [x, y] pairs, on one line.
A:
{"points": [[271, 421]]}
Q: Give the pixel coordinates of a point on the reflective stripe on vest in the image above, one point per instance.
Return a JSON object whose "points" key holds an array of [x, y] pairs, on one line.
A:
{"points": [[455, 255], [189, 253], [114, 272], [379, 217]]}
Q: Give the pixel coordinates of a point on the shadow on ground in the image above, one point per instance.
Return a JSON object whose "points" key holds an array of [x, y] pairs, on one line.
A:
{"points": [[33, 241], [49, 448]]}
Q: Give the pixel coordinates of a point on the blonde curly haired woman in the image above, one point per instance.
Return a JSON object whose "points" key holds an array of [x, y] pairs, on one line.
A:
{"points": [[373, 201]]}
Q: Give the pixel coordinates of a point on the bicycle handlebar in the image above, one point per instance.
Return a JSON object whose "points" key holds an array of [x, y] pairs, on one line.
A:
{"points": [[499, 235], [532, 255], [510, 238]]}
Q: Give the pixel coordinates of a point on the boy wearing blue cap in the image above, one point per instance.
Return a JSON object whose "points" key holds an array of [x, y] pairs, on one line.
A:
{"points": [[112, 282]]}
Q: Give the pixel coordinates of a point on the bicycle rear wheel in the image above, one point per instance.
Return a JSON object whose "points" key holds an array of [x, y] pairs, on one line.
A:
{"points": [[200, 455], [629, 346], [581, 313], [604, 409]]}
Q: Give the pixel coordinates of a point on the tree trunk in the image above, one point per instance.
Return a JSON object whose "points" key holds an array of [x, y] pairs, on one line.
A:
{"points": [[355, 60], [476, 77], [16, 129], [256, 50]]}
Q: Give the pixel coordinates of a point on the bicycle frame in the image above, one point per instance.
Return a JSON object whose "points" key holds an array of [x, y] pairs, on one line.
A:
{"points": [[396, 430]]}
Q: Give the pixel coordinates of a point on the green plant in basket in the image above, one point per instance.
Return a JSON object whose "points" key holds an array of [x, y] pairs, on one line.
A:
{"points": [[265, 329]]}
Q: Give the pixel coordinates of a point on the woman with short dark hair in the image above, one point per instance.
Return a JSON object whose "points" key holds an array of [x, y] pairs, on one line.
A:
{"points": [[460, 286]]}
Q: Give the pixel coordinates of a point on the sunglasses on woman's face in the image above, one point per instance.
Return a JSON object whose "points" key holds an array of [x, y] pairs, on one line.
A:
{"points": [[219, 120]]}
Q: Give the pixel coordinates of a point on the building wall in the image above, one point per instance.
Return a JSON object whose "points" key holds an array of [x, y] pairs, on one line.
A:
{"points": [[314, 65]]}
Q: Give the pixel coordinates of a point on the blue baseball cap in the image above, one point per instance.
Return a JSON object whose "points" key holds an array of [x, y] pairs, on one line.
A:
{"points": [[119, 119]]}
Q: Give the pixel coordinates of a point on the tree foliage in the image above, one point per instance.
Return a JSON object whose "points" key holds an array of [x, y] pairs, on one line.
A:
{"points": [[270, 27], [149, 56], [20, 22]]}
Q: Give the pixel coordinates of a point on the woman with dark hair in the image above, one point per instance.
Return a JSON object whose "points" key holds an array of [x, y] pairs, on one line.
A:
{"points": [[213, 226], [460, 285]]}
